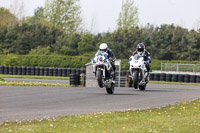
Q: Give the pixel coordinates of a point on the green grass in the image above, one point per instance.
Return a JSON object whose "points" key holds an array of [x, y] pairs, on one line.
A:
{"points": [[13, 83], [178, 83], [34, 77], [179, 118]]}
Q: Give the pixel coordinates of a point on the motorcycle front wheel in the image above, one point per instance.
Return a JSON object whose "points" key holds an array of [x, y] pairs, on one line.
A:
{"points": [[99, 78], [135, 79]]}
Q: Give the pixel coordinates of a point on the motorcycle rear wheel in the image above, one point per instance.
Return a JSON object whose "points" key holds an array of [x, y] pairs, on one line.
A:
{"points": [[111, 89], [142, 88], [99, 78]]}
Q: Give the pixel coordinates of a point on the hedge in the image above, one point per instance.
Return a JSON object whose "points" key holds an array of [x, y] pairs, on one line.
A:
{"points": [[69, 61]]}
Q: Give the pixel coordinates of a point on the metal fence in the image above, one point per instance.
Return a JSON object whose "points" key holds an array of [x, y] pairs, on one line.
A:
{"points": [[180, 67]]}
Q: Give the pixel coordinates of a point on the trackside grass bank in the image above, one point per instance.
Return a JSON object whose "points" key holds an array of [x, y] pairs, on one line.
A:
{"points": [[179, 118]]}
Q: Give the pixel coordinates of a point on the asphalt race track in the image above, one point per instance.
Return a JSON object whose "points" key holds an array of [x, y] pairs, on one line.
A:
{"points": [[27, 103]]}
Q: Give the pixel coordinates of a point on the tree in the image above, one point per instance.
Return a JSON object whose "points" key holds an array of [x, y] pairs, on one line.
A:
{"points": [[87, 43], [64, 14], [128, 16], [7, 18]]}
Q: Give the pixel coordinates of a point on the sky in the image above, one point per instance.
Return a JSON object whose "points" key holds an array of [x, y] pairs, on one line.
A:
{"points": [[101, 15]]}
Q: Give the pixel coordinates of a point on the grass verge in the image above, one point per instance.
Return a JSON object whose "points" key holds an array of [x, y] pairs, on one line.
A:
{"points": [[34, 77], [179, 118], [178, 83], [12, 83]]}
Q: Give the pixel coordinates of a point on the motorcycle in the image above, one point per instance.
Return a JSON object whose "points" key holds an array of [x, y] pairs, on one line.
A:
{"points": [[138, 71], [103, 71]]}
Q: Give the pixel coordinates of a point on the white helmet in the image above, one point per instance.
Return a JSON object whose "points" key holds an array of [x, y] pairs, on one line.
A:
{"points": [[103, 47]]}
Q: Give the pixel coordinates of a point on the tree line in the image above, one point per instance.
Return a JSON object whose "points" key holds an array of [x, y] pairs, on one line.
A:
{"points": [[56, 30]]}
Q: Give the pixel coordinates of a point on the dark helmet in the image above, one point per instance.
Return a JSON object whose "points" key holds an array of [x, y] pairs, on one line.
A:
{"points": [[140, 47]]}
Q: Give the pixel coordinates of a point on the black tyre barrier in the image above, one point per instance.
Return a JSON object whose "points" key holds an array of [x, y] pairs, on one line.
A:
{"points": [[169, 77], [193, 78], [23, 70], [73, 71], [50, 71], [163, 77], [32, 70], [174, 77], [152, 76], [41, 71], [37, 71], [28, 71], [46, 71], [198, 79], [55, 72], [64, 72], [6, 70], [74, 79], [19, 71], [187, 78], [15, 70], [68, 72], [78, 71], [157, 77], [1, 69], [181, 78], [10, 70], [59, 72]]}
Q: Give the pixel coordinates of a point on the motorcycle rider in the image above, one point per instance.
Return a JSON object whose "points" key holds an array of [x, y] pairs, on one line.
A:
{"points": [[140, 50], [104, 48]]}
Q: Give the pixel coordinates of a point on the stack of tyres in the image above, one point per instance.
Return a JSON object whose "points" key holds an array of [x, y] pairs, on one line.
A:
{"points": [[187, 78], [163, 77], [157, 77], [50, 71], [64, 72], [19, 71], [198, 79], [174, 77], [193, 78], [1, 69], [74, 80], [59, 72], [15, 70], [169, 77], [46, 71], [55, 72], [23, 70], [28, 71], [152, 76], [37, 71], [6, 70], [32, 70], [68, 72], [41, 71], [10, 70], [78, 71], [181, 78]]}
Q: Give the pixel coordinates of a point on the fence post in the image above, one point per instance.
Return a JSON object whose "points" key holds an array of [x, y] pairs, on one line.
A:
{"points": [[177, 69]]}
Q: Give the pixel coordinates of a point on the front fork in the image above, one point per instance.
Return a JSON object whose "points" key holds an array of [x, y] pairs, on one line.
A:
{"points": [[141, 72]]}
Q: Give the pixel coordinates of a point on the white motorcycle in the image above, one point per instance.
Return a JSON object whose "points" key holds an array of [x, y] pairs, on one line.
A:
{"points": [[138, 71], [104, 71]]}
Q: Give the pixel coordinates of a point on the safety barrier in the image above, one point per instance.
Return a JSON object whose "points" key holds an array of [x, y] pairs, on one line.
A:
{"points": [[40, 71], [175, 77]]}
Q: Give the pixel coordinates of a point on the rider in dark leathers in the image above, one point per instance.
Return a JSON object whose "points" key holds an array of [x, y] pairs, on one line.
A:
{"points": [[140, 49]]}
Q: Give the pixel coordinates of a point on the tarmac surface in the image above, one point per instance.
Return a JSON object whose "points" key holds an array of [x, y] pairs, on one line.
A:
{"points": [[27, 103]]}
